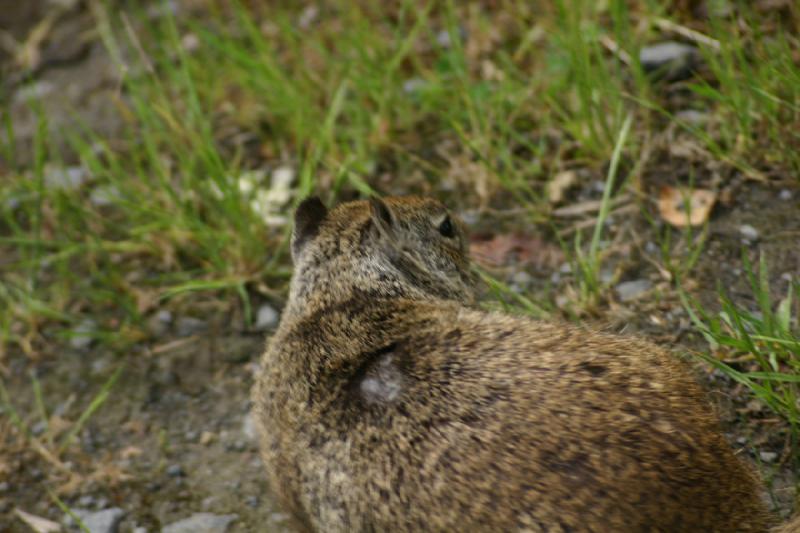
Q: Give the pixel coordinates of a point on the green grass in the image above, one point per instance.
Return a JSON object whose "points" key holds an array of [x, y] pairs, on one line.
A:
{"points": [[759, 348], [480, 107]]}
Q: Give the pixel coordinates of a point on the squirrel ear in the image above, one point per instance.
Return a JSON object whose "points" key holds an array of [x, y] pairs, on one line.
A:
{"points": [[307, 218], [382, 216]]}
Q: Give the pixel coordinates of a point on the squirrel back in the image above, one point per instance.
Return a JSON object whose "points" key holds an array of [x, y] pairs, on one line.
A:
{"points": [[386, 402]]}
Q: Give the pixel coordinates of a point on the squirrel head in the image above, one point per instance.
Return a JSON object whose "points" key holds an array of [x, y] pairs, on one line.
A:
{"points": [[397, 246]]}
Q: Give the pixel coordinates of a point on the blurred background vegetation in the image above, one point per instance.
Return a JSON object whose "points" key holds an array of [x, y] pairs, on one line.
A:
{"points": [[632, 164]]}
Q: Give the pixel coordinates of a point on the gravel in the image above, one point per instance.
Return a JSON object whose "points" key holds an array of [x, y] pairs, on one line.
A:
{"points": [[748, 232], [188, 325], [105, 521], [630, 290], [266, 318], [201, 523], [82, 334], [669, 59], [175, 470], [768, 457]]}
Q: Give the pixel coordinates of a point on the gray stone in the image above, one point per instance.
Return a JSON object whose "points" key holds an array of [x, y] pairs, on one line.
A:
{"points": [[86, 500], [748, 232], [414, 85], [188, 325], [4, 486], [201, 523], [671, 59], [159, 323], [443, 39], [630, 290], [692, 116], [174, 470], [104, 195], [69, 178], [249, 428], [33, 91], [785, 195], [82, 334], [105, 521], [266, 318], [768, 457]]}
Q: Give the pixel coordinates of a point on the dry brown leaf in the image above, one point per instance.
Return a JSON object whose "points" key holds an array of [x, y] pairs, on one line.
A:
{"points": [[37, 523], [683, 207], [130, 451], [518, 248], [560, 183]]}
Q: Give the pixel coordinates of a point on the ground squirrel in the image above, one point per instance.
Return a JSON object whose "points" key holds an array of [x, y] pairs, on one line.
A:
{"points": [[385, 402]]}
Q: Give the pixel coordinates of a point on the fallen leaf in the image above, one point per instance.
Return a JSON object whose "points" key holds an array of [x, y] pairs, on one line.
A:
{"points": [[683, 207], [500, 250], [130, 451], [37, 523], [560, 183]]}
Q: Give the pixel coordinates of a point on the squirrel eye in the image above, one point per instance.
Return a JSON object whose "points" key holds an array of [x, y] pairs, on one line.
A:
{"points": [[446, 228]]}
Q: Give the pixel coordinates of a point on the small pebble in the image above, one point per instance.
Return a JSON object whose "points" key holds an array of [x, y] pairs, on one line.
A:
{"points": [[630, 290], [768, 457], [35, 90], [266, 318], [82, 334], [105, 521], [159, 323], [443, 39], [201, 523], [671, 59], [252, 501], [249, 428], [38, 428], [785, 195], [175, 470], [279, 517], [521, 278], [188, 325], [748, 232], [282, 177], [207, 437], [69, 178], [236, 446], [413, 85], [104, 195], [86, 500], [692, 116], [4, 486]]}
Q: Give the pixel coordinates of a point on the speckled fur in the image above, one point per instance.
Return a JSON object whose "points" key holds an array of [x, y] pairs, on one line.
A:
{"points": [[386, 403]]}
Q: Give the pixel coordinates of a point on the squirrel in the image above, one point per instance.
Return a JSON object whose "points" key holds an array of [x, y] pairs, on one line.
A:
{"points": [[387, 401]]}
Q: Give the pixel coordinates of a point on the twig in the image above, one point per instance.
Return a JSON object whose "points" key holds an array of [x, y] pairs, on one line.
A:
{"points": [[692, 35], [615, 49]]}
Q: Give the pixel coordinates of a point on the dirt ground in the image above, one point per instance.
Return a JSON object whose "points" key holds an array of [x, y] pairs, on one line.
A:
{"points": [[174, 437]]}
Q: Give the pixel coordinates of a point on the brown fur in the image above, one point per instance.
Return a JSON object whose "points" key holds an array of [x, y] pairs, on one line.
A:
{"points": [[386, 403]]}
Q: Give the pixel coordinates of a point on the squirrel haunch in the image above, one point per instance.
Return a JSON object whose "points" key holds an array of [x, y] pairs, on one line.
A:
{"points": [[385, 402]]}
